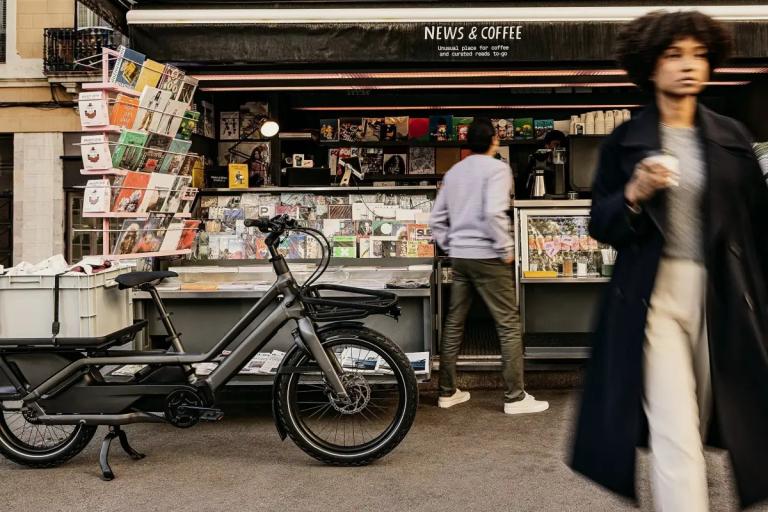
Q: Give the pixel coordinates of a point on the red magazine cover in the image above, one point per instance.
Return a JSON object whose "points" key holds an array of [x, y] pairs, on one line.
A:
{"points": [[131, 193], [418, 128], [188, 235]]}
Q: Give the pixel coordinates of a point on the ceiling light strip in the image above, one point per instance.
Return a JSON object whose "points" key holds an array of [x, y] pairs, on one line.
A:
{"points": [[408, 74], [256, 77], [427, 14], [433, 86]]}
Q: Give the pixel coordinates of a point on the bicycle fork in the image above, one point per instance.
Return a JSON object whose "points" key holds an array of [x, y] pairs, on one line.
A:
{"points": [[330, 370]]}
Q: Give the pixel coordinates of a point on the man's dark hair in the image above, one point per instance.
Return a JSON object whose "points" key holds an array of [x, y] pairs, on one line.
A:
{"points": [[555, 135], [480, 135], [642, 41]]}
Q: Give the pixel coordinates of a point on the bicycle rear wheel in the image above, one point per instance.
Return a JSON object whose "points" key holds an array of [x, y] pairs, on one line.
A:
{"points": [[371, 421], [39, 446]]}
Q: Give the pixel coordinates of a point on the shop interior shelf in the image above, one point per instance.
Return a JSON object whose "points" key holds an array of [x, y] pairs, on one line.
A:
{"points": [[110, 87], [351, 189], [405, 177], [130, 215], [566, 280], [99, 172], [135, 256], [102, 129], [413, 143]]}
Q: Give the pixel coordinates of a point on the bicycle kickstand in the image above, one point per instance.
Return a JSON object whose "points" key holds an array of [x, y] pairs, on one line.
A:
{"points": [[115, 431]]}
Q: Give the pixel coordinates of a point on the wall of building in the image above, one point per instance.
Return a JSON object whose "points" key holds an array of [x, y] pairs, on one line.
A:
{"points": [[35, 15], [37, 125], [38, 196]]}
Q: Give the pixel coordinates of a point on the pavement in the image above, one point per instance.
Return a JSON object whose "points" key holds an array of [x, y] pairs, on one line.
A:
{"points": [[468, 458]]}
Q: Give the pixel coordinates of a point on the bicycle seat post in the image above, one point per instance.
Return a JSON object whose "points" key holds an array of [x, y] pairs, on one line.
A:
{"points": [[173, 335]]}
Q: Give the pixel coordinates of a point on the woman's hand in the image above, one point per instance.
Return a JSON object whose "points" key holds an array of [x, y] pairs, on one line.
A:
{"points": [[648, 178]]}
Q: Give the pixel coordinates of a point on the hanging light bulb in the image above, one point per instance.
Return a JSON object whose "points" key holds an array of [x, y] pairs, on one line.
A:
{"points": [[270, 129]]}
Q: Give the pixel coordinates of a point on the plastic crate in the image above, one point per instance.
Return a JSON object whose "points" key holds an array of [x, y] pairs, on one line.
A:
{"points": [[89, 306]]}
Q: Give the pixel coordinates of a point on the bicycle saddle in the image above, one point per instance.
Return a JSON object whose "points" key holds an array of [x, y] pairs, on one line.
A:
{"points": [[133, 279]]}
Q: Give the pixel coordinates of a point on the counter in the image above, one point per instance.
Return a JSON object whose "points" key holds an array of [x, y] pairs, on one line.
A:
{"points": [[204, 315]]}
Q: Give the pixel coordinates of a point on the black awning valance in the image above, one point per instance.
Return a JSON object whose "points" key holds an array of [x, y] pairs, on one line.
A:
{"points": [[406, 43]]}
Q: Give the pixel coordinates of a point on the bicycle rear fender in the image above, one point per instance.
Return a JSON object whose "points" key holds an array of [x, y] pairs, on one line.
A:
{"points": [[288, 356]]}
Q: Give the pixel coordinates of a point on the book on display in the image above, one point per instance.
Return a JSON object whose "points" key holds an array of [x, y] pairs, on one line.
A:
{"points": [[93, 109], [124, 111], [174, 158], [329, 129], [187, 90], [229, 125], [150, 74], [129, 150], [152, 103], [131, 192], [97, 196], [127, 67], [155, 152], [441, 128], [95, 152], [172, 80], [395, 128], [171, 119]]}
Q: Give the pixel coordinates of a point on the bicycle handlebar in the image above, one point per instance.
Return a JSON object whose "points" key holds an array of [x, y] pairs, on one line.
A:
{"points": [[277, 225]]}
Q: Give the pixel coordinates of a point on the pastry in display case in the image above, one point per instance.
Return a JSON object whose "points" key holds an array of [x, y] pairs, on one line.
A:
{"points": [[557, 244]]}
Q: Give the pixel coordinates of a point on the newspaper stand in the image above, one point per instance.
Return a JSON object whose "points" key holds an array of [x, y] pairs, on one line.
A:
{"points": [[109, 87]]}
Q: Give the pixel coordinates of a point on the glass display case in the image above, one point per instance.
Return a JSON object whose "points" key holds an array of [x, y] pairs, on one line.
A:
{"points": [[556, 243], [561, 274]]}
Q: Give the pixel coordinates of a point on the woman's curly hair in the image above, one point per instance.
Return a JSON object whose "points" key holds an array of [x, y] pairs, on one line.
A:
{"points": [[642, 41]]}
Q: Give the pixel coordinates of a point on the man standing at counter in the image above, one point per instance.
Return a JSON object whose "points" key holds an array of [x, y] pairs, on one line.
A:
{"points": [[680, 350], [470, 223]]}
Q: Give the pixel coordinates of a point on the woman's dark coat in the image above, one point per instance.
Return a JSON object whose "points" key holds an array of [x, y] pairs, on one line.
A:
{"points": [[735, 211]]}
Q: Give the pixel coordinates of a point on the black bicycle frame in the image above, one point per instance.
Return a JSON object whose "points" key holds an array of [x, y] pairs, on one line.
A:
{"points": [[279, 313]]}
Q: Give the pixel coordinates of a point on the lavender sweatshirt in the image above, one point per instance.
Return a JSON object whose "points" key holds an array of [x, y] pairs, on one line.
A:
{"points": [[469, 219]]}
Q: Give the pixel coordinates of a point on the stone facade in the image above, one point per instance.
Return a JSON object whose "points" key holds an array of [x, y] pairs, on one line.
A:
{"points": [[38, 196]]}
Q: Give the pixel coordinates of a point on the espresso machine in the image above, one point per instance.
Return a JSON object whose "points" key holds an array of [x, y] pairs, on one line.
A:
{"points": [[547, 161], [537, 186]]}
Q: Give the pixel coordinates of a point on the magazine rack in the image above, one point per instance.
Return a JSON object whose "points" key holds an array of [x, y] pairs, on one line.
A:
{"points": [[108, 85]]}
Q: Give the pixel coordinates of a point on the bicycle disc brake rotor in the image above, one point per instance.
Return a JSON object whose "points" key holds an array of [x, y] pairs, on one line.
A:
{"points": [[358, 395]]}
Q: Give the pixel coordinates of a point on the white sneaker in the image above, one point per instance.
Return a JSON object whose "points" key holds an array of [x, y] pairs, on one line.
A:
{"points": [[459, 397], [526, 405]]}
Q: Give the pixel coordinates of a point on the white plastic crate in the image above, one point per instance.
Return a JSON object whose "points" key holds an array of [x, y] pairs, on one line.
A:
{"points": [[89, 306]]}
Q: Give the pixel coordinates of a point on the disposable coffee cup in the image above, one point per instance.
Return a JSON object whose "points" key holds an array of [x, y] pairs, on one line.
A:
{"points": [[669, 162]]}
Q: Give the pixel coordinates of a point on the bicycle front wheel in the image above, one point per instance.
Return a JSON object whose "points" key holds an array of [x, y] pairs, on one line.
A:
{"points": [[375, 416]]}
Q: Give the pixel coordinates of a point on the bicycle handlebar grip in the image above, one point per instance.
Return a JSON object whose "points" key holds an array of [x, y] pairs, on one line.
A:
{"points": [[262, 224]]}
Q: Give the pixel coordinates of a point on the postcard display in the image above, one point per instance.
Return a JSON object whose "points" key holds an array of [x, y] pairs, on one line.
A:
{"points": [[358, 224], [140, 124]]}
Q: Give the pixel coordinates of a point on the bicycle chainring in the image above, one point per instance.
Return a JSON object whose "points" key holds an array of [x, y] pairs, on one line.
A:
{"points": [[182, 408]]}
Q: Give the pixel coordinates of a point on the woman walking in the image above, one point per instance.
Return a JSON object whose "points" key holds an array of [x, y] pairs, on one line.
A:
{"points": [[681, 351]]}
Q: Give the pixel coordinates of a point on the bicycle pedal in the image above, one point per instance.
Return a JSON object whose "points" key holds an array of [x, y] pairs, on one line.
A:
{"points": [[212, 415]]}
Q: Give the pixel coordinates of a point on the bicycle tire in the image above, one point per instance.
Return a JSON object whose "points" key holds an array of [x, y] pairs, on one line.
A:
{"points": [[14, 449], [302, 440]]}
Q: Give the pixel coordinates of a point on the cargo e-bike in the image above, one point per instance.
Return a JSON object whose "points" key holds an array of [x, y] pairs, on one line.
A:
{"points": [[344, 393]]}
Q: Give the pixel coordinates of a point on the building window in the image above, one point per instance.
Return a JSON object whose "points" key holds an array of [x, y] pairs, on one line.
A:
{"points": [[86, 18]]}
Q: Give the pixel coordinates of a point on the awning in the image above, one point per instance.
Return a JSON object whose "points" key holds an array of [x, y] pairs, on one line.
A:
{"points": [[413, 33]]}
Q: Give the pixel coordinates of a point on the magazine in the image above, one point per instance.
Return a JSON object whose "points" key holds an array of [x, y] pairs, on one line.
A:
{"points": [[95, 152], [93, 109], [127, 67]]}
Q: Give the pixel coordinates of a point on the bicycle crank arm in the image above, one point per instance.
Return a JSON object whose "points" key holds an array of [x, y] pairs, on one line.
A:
{"points": [[312, 342], [206, 413]]}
